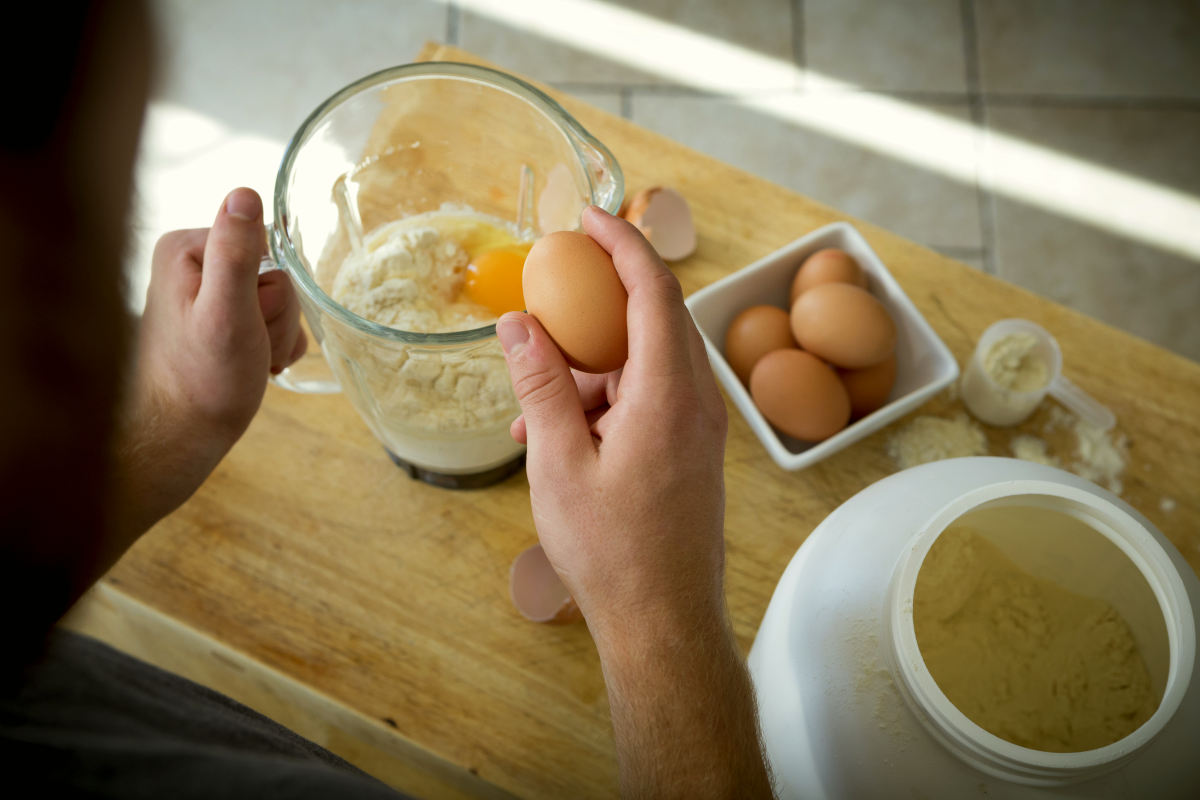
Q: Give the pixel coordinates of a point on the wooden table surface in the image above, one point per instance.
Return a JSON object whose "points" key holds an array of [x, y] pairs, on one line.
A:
{"points": [[314, 581]]}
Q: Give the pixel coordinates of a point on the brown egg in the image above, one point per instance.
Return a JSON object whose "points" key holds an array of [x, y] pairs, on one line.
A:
{"points": [[870, 387], [573, 289], [827, 266], [753, 333], [844, 325], [800, 395]]}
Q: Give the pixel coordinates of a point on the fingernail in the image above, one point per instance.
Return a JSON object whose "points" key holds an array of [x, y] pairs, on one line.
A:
{"points": [[512, 333], [243, 204]]}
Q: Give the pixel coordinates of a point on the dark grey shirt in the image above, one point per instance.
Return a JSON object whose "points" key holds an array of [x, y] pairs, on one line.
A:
{"points": [[89, 721]]}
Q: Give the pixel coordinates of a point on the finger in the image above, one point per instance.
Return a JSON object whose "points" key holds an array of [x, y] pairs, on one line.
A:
{"points": [[593, 388], [300, 348], [595, 392], [554, 421], [233, 251], [178, 245], [516, 430], [281, 312], [275, 295], [595, 414], [703, 378], [658, 339], [175, 265], [706, 386]]}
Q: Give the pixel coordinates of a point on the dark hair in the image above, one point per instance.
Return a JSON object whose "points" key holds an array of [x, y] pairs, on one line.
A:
{"points": [[40, 61]]}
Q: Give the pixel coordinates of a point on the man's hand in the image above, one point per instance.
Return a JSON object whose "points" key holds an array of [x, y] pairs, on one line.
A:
{"points": [[614, 457], [212, 330], [627, 487]]}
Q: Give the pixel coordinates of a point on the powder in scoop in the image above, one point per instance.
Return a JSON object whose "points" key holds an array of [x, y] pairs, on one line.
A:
{"points": [[1013, 363]]}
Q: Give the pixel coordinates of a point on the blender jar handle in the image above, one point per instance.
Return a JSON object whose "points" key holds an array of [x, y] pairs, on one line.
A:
{"points": [[607, 179], [309, 374]]}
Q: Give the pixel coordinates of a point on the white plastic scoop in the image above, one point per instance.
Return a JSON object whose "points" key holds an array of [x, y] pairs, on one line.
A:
{"points": [[994, 403]]}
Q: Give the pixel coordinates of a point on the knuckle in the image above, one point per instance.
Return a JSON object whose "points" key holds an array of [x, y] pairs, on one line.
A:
{"points": [[237, 251], [177, 242], [167, 245], [666, 286], [538, 387]]}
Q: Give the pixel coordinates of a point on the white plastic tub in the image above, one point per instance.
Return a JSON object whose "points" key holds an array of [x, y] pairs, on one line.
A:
{"points": [[848, 707]]}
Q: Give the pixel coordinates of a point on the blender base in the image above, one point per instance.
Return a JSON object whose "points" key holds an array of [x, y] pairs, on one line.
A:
{"points": [[474, 480]]}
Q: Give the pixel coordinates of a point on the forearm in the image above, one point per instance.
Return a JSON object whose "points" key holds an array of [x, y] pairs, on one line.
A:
{"points": [[683, 710], [161, 457]]}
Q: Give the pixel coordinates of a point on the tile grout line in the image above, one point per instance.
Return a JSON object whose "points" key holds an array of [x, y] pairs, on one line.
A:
{"points": [[799, 55], [978, 109], [1089, 101], [452, 23], [956, 249], [681, 90]]}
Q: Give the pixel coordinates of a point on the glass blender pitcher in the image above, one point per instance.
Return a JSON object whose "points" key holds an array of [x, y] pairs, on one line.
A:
{"points": [[407, 141]]}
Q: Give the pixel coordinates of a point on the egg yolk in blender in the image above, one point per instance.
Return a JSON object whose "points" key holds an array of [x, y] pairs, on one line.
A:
{"points": [[494, 278]]}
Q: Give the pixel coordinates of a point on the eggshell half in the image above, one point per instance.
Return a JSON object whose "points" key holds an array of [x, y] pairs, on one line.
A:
{"points": [[664, 218], [536, 590], [572, 287]]}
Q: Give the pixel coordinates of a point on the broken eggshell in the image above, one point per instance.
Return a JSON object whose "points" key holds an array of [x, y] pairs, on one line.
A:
{"points": [[663, 217], [536, 590]]}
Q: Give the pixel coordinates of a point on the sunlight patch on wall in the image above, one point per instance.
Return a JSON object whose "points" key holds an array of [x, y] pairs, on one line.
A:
{"points": [[1129, 206]]}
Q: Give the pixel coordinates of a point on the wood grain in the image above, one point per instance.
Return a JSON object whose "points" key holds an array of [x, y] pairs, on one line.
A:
{"points": [[314, 581]]}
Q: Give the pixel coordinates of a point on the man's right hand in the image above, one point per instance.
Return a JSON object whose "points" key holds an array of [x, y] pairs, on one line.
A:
{"points": [[627, 487], [626, 469]]}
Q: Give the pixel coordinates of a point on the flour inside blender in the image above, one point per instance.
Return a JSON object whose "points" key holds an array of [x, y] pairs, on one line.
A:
{"points": [[447, 270], [440, 404]]}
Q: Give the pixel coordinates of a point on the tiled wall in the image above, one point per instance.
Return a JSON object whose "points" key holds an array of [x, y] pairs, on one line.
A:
{"points": [[1051, 142]]}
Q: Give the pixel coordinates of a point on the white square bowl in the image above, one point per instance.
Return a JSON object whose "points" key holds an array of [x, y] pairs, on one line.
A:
{"points": [[924, 365]]}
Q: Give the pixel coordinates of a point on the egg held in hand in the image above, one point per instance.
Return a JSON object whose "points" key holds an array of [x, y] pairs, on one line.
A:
{"points": [[752, 334], [800, 395], [573, 289]]}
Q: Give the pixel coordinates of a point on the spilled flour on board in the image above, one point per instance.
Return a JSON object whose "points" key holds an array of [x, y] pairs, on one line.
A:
{"points": [[1099, 456], [929, 438], [1031, 448]]}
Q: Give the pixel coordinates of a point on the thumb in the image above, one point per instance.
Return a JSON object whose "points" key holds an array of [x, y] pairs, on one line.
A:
{"points": [[235, 247], [550, 404]]}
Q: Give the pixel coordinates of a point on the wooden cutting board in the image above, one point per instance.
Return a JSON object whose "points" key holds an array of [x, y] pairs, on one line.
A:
{"points": [[312, 580]]}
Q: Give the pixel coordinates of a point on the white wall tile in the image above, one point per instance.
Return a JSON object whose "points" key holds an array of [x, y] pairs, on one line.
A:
{"points": [[913, 46], [916, 202], [1090, 47]]}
